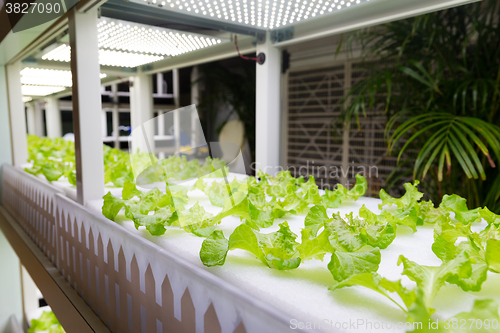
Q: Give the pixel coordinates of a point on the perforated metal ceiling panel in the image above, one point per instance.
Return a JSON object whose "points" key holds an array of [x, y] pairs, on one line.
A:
{"points": [[263, 14]]}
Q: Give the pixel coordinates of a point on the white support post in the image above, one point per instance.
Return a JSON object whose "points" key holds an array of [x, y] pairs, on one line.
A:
{"points": [[141, 112], [87, 106], [267, 138], [195, 99], [177, 131], [5, 134], [39, 126], [346, 131], [116, 115], [31, 118], [17, 115], [176, 91], [53, 117], [159, 84], [104, 122], [161, 130], [177, 126], [161, 124]]}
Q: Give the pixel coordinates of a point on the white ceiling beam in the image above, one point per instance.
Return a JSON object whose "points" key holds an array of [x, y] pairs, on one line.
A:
{"points": [[66, 66], [85, 6], [107, 81], [17, 46], [366, 15], [209, 54], [122, 107]]}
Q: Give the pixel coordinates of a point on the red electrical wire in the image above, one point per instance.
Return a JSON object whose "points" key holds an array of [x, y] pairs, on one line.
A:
{"points": [[242, 56]]}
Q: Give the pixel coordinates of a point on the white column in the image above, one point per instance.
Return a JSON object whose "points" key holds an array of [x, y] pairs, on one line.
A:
{"points": [[195, 99], [177, 131], [39, 125], [161, 123], [161, 130], [10, 288], [87, 106], [267, 122], [5, 131], [31, 118], [177, 126], [53, 117], [175, 88], [141, 113], [30, 295], [116, 119], [346, 130], [104, 122], [17, 115], [159, 84]]}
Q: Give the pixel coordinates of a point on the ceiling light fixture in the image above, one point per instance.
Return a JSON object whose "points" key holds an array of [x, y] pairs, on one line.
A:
{"points": [[106, 57], [268, 18], [127, 44], [121, 35], [47, 77], [32, 90]]}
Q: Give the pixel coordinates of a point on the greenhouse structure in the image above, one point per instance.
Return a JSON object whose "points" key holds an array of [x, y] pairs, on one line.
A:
{"points": [[136, 196]]}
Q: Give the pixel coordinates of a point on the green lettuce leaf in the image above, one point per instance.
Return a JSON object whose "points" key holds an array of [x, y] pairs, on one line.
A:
{"points": [[458, 205], [280, 248], [430, 279], [314, 247], [130, 190], [51, 171], [155, 223], [489, 216], [493, 254], [315, 219], [359, 189], [244, 238], [479, 319], [409, 199], [345, 235], [196, 220], [214, 249], [47, 322], [112, 206], [375, 282], [276, 250], [333, 199], [343, 265]]}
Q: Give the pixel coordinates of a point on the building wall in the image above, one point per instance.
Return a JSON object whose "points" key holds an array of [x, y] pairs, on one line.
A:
{"points": [[316, 141]]}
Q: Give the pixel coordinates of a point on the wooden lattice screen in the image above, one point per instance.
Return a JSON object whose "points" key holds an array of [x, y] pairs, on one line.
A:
{"points": [[317, 143]]}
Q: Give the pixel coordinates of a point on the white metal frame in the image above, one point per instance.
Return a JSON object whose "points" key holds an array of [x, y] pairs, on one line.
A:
{"points": [[368, 15], [267, 118], [17, 115], [31, 118], [86, 105]]}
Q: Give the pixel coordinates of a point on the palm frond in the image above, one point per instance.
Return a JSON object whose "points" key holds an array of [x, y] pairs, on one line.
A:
{"points": [[444, 137]]}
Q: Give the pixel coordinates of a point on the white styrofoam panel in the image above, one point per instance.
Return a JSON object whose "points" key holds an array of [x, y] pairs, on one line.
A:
{"points": [[268, 300]]}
